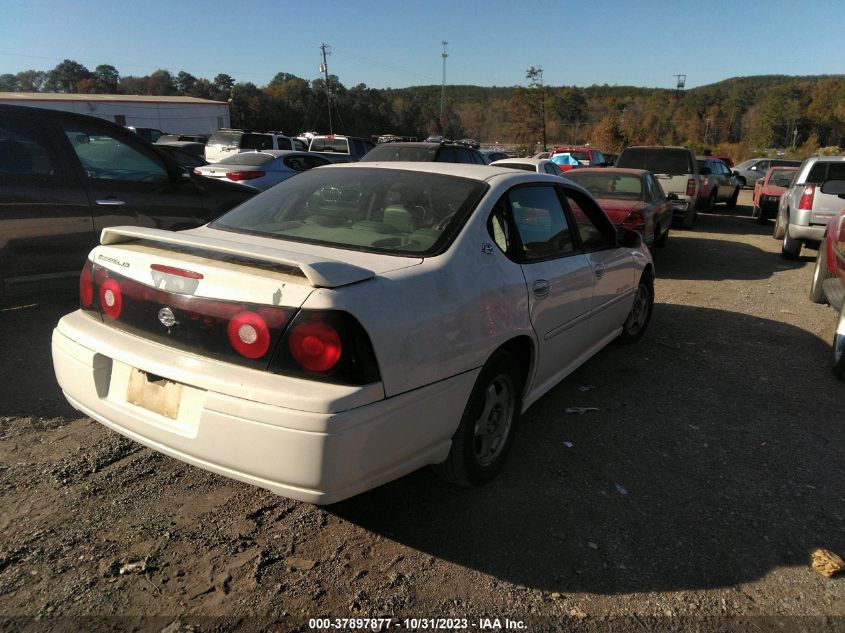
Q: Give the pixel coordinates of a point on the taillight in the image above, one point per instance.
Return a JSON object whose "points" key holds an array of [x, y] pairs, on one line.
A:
{"points": [[806, 202], [86, 285], [315, 345], [635, 220], [244, 175], [249, 334], [691, 187], [329, 346], [197, 171], [111, 298]]}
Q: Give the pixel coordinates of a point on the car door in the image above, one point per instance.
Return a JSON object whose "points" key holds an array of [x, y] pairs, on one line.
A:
{"points": [[46, 229], [129, 183], [559, 279], [613, 275]]}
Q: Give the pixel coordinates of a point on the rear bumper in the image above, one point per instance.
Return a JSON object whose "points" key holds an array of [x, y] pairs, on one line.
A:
{"points": [[813, 233], [234, 428]]}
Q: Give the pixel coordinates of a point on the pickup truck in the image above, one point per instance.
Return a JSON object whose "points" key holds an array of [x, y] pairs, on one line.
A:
{"points": [[829, 275], [340, 149]]}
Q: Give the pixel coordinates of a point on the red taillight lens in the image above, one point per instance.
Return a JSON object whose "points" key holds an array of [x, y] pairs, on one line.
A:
{"points": [[691, 187], [197, 171], [315, 345], [635, 220], [86, 285], [111, 298], [245, 175], [807, 196], [249, 335]]}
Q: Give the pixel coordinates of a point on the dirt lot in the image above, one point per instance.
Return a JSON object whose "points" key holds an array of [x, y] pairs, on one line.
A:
{"points": [[691, 500]]}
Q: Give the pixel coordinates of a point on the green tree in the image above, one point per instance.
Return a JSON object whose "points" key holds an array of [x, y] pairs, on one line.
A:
{"points": [[8, 82], [65, 76], [31, 80]]}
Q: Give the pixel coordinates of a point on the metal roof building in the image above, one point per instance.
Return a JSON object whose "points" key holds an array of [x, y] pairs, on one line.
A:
{"points": [[178, 115]]}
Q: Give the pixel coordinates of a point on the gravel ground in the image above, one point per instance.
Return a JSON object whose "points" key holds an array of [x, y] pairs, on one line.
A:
{"points": [[690, 500]]}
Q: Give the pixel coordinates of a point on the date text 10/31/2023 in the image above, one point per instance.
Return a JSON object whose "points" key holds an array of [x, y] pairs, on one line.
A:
{"points": [[416, 624]]}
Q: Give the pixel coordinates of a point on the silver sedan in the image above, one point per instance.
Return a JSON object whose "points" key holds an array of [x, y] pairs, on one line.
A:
{"points": [[262, 169]]}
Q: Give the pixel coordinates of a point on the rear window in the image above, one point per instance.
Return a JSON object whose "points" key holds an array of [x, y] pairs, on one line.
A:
{"points": [[225, 138], [825, 170], [390, 152], [523, 166], [376, 210], [339, 145], [609, 185], [247, 158], [668, 161]]}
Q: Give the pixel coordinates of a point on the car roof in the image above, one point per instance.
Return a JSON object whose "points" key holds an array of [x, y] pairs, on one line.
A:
{"points": [[463, 170], [608, 170], [522, 161]]}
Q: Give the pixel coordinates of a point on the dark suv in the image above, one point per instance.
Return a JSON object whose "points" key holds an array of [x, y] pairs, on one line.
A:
{"points": [[424, 152], [64, 177]]}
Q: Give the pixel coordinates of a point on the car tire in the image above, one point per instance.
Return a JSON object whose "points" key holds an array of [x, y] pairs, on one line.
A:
{"points": [[761, 216], [839, 346], [690, 217], [660, 238], [731, 203], [638, 318], [485, 433], [778, 231], [820, 273], [790, 248], [711, 202]]}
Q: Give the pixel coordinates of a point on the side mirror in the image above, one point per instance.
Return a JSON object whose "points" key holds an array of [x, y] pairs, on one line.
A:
{"points": [[834, 188], [628, 238]]}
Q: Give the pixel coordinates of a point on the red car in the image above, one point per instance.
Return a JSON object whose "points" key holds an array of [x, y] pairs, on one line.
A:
{"points": [[829, 275], [768, 190], [632, 198], [588, 156]]}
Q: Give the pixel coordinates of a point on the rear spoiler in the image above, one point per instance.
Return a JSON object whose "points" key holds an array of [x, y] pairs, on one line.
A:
{"points": [[320, 272]]}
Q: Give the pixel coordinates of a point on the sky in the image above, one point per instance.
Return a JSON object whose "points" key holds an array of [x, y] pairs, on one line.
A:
{"points": [[399, 43]]}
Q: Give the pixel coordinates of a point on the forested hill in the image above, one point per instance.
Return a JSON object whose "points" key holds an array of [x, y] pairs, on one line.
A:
{"points": [[737, 116]]}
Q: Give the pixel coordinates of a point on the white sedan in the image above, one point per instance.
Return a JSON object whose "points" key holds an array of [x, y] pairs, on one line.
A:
{"points": [[540, 165], [352, 324], [262, 169]]}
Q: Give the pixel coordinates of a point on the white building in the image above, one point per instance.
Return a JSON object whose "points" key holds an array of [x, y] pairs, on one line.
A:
{"points": [[177, 115]]}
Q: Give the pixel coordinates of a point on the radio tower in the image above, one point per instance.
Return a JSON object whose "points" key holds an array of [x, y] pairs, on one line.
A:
{"points": [[444, 55], [325, 68], [679, 86]]}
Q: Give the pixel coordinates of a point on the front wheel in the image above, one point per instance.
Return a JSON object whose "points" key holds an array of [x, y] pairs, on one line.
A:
{"points": [[761, 216], [820, 274], [839, 346], [640, 314], [485, 434]]}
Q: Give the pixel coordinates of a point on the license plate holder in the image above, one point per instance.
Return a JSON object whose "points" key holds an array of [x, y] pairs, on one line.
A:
{"points": [[154, 393]]}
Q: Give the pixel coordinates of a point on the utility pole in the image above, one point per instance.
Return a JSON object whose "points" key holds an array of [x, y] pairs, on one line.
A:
{"points": [[325, 68], [444, 55]]}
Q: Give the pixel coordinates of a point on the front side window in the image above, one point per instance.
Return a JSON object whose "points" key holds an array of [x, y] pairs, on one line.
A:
{"points": [[108, 158], [540, 222], [594, 228], [375, 210]]}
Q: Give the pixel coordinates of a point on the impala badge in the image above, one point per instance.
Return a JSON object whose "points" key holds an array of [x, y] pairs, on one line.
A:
{"points": [[167, 318]]}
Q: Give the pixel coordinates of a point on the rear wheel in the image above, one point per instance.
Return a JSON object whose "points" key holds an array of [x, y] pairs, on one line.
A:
{"points": [[839, 346], [820, 274], [485, 434], [660, 238], [761, 215], [731, 204], [640, 315], [790, 248]]}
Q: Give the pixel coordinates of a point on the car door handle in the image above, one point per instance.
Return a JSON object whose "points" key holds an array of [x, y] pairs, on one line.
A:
{"points": [[599, 269], [542, 288], [111, 202]]}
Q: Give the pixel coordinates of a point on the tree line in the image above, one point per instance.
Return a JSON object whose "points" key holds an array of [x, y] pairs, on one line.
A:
{"points": [[738, 117]]}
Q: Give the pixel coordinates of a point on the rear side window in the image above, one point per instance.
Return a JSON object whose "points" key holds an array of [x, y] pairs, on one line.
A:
{"points": [[657, 160], [26, 150], [284, 143], [818, 174]]}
